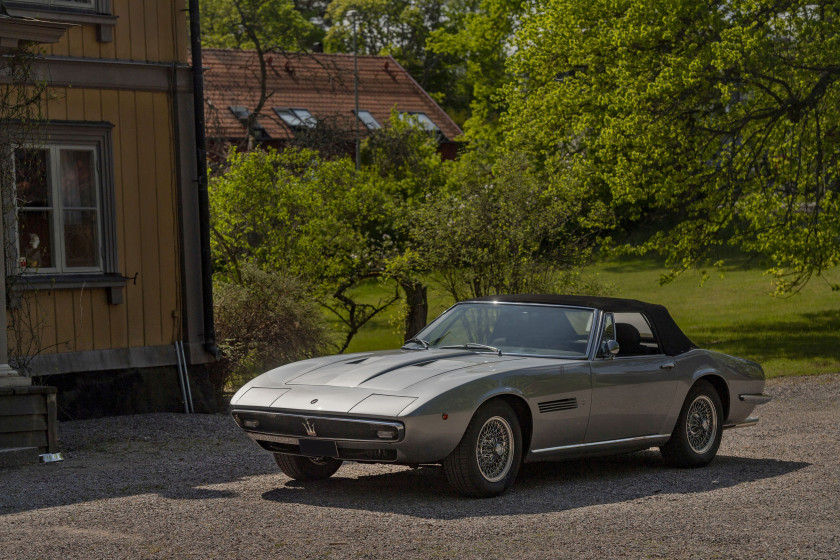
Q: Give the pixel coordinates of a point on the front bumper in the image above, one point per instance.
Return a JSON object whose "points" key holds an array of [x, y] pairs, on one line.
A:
{"points": [[754, 398]]}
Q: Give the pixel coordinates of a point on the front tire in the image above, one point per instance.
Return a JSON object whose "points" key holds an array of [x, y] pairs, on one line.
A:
{"points": [[696, 437], [306, 468], [488, 457]]}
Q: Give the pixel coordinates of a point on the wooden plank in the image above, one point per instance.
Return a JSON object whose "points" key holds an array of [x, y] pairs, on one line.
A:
{"points": [[52, 423], [65, 322], [16, 405], [167, 222], [117, 314], [149, 242], [90, 47], [166, 31], [27, 423], [75, 104], [131, 217], [92, 104], [153, 30], [44, 304], [181, 33], [57, 104], [138, 30], [122, 30], [100, 319], [24, 439], [82, 327]]}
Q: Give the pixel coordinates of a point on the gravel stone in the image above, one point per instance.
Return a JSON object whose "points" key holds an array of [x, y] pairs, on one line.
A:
{"points": [[178, 486]]}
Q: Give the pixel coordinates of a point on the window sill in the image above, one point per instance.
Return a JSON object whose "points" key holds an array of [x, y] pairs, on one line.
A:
{"points": [[114, 283], [105, 22]]}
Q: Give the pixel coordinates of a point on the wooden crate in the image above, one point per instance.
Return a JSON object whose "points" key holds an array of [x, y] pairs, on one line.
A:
{"points": [[28, 418]]}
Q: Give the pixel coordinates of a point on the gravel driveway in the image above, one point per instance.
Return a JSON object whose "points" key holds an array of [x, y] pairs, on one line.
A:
{"points": [[176, 486]]}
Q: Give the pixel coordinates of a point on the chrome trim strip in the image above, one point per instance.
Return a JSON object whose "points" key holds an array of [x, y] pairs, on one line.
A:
{"points": [[599, 443], [258, 436], [752, 421], [756, 398]]}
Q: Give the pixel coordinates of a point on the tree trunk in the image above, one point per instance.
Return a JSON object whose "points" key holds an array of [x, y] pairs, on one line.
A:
{"points": [[418, 308]]}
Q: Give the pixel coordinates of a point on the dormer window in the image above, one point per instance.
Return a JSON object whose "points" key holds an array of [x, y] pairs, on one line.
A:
{"points": [[242, 113], [421, 118], [368, 120], [296, 118]]}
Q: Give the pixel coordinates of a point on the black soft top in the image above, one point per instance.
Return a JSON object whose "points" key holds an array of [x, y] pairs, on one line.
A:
{"points": [[671, 338]]}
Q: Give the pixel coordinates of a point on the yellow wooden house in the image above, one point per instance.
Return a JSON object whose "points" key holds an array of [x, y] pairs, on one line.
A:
{"points": [[110, 225]]}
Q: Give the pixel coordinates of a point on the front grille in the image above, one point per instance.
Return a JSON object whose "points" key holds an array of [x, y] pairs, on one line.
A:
{"points": [[347, 454], [296, 425], [560, 404]]}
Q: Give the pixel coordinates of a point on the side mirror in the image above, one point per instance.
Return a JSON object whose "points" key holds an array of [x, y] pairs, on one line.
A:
{"points": [[610, 348]]}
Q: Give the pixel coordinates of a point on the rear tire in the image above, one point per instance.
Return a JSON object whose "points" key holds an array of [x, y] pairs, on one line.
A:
{"points": [[488, 457], [306, 468], [696, 437]]}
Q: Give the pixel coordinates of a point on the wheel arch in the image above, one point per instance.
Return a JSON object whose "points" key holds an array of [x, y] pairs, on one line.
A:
{"points": [[721, 388], [523, 414]]}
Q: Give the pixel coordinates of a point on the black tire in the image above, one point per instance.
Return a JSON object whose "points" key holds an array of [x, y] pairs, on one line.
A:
{"points": [[494, 428], [306, 468], [696, 437]]}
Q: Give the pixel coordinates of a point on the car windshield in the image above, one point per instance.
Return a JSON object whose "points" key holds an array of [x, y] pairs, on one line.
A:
{"points": [[546, 330]]}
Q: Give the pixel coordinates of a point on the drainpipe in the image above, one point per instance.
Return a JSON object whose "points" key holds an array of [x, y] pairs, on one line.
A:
{"points": [[203, 196]]}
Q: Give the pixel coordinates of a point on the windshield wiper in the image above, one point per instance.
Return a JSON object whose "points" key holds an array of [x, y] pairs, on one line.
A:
{"points": [[475, 346], [417, 341]]}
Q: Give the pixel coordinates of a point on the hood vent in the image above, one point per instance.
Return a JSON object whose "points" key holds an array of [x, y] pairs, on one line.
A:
{"points": [[354, 362], [560, 404]]}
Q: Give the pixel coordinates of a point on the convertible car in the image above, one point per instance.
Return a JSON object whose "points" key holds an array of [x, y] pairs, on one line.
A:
{"points": [[497, 381]]}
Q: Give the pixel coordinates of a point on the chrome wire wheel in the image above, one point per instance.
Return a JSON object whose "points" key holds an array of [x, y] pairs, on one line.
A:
{"points": [[494, 449], [701, 424]]}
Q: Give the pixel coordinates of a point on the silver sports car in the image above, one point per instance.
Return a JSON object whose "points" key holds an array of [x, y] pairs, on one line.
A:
{"points": [[496, 381]]}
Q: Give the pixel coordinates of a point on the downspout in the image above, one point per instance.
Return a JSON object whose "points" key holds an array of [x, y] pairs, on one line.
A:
{"points": [[201, 175]]}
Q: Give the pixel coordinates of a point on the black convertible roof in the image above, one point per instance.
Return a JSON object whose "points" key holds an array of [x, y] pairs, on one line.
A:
{"points": [[672, 339]]}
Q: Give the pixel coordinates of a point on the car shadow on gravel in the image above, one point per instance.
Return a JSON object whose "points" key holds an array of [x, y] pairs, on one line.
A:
{"points": [[539, 488]]}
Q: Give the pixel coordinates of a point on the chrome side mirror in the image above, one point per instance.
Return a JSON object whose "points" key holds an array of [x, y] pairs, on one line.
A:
{"points": [[610, 349]]}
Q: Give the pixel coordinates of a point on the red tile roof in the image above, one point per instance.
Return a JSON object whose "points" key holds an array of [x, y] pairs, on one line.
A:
{"points": [[320, 83]]}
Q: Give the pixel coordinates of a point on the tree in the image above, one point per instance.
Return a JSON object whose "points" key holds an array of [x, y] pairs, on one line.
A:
{"points": [[264, 26], [717, 123], [402, 29]]}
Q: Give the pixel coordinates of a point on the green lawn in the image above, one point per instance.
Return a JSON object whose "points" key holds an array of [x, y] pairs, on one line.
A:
{"points": [[734, 314]]}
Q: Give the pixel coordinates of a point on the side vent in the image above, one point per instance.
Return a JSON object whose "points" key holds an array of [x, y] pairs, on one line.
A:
{"points": [[421, 364], [561, 404]]}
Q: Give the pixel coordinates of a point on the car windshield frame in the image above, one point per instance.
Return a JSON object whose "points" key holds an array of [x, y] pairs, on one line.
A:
{"points": [[421, 341]]}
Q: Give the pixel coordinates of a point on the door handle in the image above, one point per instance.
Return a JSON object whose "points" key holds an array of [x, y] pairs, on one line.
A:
{"points": [[667, 365]]}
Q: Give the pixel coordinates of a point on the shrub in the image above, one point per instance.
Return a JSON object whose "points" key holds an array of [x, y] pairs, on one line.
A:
{"points": [[261, 323]]}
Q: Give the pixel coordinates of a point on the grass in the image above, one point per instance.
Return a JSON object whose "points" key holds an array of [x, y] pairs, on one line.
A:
{"points": [[733, 312]]}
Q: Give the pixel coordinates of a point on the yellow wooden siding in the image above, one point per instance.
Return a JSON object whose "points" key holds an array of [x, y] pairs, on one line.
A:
{"points": [[144, 31], [146, 223]]}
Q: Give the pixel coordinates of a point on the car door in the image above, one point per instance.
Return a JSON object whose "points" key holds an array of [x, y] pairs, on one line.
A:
{"points": [[631, 392]]}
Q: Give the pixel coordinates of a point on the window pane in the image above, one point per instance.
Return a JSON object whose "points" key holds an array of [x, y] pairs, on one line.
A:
{"points": [[77, 179], [35, 241], [80, 238], [31, 178]]}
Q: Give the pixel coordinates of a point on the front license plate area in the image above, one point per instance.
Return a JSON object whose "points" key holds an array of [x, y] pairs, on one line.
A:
{"points": [[318, 448]]}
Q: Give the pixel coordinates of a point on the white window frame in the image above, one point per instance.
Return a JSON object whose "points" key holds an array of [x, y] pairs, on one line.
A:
{"points": [[88, 5], [57, 223], [367, 119]]}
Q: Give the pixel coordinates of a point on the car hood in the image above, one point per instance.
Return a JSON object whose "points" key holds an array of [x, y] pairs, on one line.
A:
{"points": [[392, 371]]}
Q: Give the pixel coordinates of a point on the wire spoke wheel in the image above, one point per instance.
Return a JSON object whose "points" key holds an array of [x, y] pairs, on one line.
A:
{"points": [[493, 449], [701, 424]]}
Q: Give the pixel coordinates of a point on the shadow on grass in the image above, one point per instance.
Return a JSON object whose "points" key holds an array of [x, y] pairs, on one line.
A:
{"points": [[540, 487], [812, 338]]}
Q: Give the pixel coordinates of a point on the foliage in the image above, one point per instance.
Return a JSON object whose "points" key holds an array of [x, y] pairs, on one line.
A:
{"points": [[714, 123], [402, 28], [296, 213], [257, 24], [498, 230], [261, 323], [480, 36]]}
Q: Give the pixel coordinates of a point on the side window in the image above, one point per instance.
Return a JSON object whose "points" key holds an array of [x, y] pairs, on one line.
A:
{"points": [[634, 335]]}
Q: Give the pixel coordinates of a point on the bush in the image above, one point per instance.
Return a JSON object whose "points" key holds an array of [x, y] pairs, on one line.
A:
{"points": [[262, 323]]}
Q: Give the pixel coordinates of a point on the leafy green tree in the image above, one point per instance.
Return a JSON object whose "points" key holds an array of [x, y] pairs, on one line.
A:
{"points": [[701, 124], [498, 230], [402, 28], [295, 213], [480, 36], [263, 26]]}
